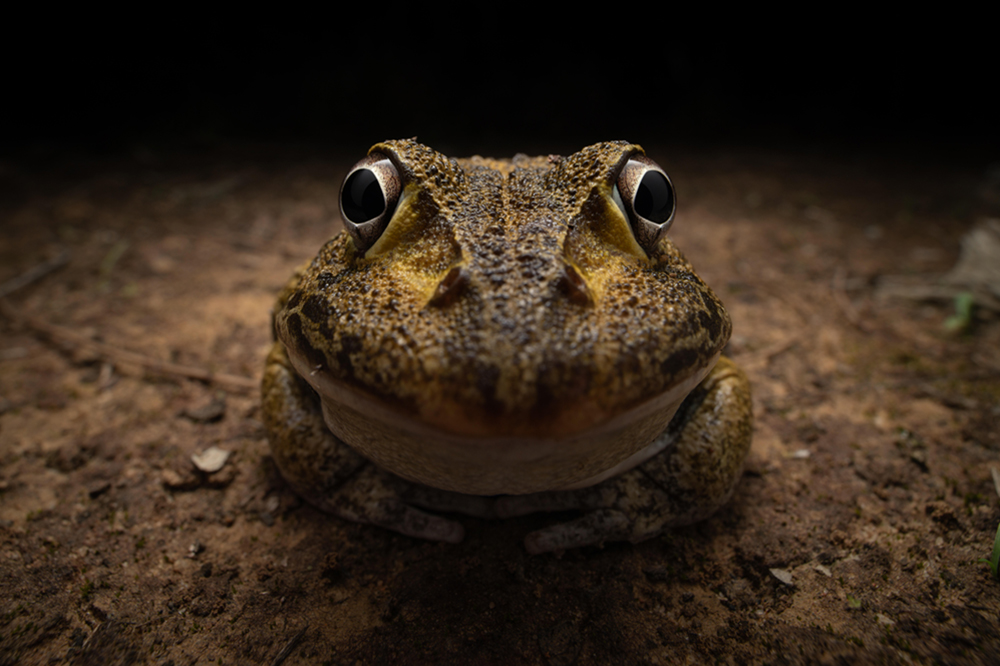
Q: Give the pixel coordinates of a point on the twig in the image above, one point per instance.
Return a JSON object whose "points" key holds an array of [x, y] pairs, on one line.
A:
{"points": [[794, 303], [768, 353], [842, 300], [287, 650], [34, 274], [61, 334]]}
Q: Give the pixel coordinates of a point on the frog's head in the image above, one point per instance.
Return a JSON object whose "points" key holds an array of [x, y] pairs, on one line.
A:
{"points": [[527, 309]]}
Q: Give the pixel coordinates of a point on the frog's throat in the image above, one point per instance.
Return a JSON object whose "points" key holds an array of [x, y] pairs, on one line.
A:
{"points": [[479, 465]]}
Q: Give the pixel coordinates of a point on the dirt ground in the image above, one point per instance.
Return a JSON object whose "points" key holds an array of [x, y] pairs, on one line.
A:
{"points": [[854, 535]]}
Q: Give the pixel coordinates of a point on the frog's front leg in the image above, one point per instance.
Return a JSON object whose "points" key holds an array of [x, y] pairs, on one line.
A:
{"points": [[694, 475], [329, 474]]}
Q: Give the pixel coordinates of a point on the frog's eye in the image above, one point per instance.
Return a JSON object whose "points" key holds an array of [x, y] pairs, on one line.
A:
{"points": [[646, 197], [368, 199]]}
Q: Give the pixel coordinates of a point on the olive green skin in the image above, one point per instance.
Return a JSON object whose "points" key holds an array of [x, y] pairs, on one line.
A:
{"points": [[505, 334]]}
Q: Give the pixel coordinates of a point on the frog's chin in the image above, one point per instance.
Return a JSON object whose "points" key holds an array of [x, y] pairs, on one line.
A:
{"points": [[479, 464]]}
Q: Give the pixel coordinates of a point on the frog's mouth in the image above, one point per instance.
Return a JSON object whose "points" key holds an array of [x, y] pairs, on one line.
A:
{"points": [[493, 465]]}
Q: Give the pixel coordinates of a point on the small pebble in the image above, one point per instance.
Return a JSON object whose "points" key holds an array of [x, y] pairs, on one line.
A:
{"points": [[783, 575], [209, 412], [210, 460]]}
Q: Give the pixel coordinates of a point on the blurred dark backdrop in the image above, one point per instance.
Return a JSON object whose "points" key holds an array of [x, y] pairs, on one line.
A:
{"points": [[495, 86]]}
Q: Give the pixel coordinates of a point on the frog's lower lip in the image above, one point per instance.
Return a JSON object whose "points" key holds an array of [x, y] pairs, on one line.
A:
{"points": [[480, 464]]}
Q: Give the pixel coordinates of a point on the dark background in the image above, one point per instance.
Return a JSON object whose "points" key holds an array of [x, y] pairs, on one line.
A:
{"points": [[497, 86]]}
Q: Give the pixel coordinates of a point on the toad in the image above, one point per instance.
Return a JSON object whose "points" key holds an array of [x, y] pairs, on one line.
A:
{"points": [[500, 337]]}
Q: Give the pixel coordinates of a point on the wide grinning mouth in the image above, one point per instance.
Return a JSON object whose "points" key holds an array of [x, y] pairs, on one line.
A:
{"points": [[466, 458]]}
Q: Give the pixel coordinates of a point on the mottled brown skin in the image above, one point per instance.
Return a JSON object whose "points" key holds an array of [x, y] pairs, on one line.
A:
{"points": [[705, 445], [506, 299]]}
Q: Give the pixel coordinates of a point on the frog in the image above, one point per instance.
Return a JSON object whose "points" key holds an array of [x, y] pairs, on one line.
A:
{"points": [[501, 337]]}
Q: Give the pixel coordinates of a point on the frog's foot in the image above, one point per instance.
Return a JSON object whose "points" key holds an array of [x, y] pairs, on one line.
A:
{"points": [[376, 497], [328, 473], [702, 456]]}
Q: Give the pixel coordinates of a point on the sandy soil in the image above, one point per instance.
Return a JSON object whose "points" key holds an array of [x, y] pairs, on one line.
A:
{"points": [[853, 537]]}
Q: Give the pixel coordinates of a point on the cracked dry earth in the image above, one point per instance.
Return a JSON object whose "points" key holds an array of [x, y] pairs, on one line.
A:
{"points": [[853, 537]]}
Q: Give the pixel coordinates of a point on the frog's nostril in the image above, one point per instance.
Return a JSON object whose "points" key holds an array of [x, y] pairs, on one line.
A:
{"points": [[572, 284], [450, 288]]}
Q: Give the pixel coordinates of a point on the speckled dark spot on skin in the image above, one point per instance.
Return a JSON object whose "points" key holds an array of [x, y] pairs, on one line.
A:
{"points": [[558, 383], [294, 301], [316, 309], [710, 320], [293, 323], [678, 362], [349, 344], [315, 357], [486, 383], [325, 280]]}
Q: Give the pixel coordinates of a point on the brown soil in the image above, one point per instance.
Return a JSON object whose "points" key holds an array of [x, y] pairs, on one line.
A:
{"points": [[854, 536]]}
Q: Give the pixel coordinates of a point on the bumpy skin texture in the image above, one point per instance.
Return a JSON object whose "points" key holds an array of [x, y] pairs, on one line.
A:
{"points": [[507, 298], [517, 348], [704, 448], [332, 476]]}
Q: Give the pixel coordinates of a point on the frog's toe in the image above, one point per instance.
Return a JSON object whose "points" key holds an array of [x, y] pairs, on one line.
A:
{"points": [[593, 528], [394, 514], [378, 498]]}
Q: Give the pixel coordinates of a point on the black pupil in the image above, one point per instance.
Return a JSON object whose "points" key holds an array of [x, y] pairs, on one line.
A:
{"points": [[362, 199], [654, 200]]}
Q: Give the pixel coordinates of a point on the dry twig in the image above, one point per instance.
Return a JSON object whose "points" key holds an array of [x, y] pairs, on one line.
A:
{"points": [[287, 650], [844, 302], [71, 338], [76, 340], [767, 354], [34, 274]]}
